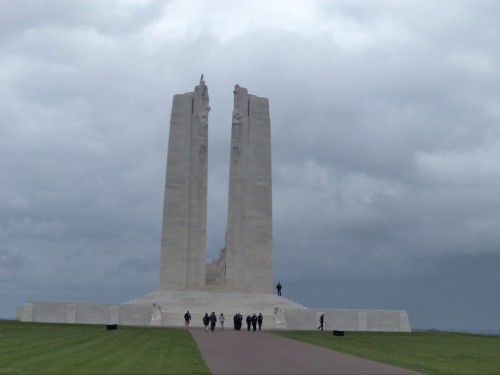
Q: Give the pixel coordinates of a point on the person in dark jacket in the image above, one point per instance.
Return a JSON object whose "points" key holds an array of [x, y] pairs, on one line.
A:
{"points": [[240, 320], [213, 320], [206, 321], [321, 320], [187, 319], [254, 322], [260, 318], [237, 321], [278, 288], [249, 322]]}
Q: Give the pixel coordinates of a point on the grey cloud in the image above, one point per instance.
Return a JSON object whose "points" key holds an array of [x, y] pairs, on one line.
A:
{"points": [[384, 134]]}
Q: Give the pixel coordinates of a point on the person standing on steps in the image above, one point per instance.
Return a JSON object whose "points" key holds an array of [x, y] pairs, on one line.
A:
{"points": [[206, 321], [259, 320], [254, 322], [321, 320], [278, 288], [187, 319], [249, 322], [213, 321], [221, 320]]}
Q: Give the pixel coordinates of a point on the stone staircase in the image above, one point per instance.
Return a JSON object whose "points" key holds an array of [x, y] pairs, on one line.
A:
{"points": [[175, 304]]}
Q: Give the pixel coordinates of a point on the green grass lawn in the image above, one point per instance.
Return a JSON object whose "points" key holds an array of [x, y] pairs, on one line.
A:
{"points": [[39, 348], [429, 352]]}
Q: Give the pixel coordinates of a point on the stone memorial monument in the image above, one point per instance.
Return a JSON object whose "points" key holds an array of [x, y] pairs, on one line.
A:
{"points": [[240, 279], [245, 263]]}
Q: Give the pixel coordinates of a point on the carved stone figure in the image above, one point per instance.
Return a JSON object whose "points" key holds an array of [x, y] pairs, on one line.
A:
{"points": [[236, 92], [279, 315], [156, 313], [236, 125], [203, 128], [203, 152]]}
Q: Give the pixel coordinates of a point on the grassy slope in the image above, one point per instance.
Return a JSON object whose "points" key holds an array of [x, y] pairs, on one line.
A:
{"points": [[428, 352], [39, 348]]}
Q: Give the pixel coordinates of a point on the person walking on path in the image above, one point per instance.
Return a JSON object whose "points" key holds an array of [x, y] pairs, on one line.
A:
{"points": [[221, 320], [187, 319], [321, 320], [249, 322], [206, 320], [278, 288], [239, 320], [254, 322], [213, 321], [259, 320]]}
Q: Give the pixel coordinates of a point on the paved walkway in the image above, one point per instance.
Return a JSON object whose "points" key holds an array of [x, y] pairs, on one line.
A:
{"points": [[229, 352]]}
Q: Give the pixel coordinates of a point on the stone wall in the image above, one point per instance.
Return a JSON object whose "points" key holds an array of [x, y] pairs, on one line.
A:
{"points": [[349, 320], [141, 314]]}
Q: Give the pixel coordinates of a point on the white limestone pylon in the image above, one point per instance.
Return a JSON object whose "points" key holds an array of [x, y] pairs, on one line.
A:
{"points": [[183, 238], [249, 235]]}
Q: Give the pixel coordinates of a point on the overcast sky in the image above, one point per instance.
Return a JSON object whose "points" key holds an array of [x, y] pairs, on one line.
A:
{"points": [[385, 119]]}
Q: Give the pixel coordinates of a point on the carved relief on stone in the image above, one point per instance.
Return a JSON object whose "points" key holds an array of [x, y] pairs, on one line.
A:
{"points": [[236, 93], [221, 271], [236, 125], [279, 315], [201, 131], [236, 153], [203, 128], [204, 94], [237, 132], [156, 313], [203, 153]]}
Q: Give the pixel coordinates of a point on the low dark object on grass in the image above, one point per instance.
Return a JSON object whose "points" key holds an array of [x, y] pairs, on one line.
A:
{"points": [[110, 327], [338, 333]]}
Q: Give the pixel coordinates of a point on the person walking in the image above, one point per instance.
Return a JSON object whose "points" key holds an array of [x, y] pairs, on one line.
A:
{"points": [[213, 321], [239, 320], [254, 322], [206, 321], [249, 322], [321, 320], [187, 319], [260, 318], [278, 288], [221, 320]]}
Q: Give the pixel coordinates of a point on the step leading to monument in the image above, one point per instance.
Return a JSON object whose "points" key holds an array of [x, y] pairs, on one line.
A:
{"points": [[230, 303]]}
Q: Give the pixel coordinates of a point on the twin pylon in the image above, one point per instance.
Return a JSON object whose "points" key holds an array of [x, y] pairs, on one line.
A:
{"points": [[245, 262]]}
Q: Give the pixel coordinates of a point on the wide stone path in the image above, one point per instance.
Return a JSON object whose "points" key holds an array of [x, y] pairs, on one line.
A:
{"points": [[231, 352]]}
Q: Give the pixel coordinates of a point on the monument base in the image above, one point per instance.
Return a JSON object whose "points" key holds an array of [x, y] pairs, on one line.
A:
{"points": [[278, 312]]}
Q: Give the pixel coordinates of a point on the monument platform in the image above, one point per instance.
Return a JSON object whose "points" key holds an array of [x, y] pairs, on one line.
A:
{"points": [[278, 312]]}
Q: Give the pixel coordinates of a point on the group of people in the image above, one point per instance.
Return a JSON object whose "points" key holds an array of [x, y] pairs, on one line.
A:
{"points": [[212, 320], [252, 322]]}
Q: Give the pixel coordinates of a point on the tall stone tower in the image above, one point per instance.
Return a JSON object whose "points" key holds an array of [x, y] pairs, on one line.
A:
{"points": [[183, 238], [249, 234]]}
